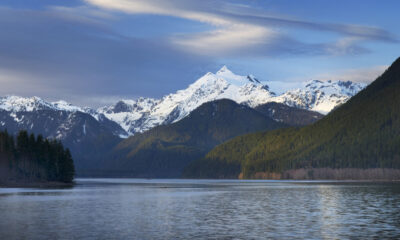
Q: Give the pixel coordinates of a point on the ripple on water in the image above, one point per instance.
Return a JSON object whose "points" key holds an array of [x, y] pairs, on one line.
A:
{"points": [[202, 209]]}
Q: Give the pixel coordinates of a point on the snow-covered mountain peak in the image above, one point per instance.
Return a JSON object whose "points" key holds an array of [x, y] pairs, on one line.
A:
{"points": [[130, 105], [320, 96], [223, 69], [208, 79], [26, 104], [129, 113], [63, 105], [235, 79], [347, 88], [143, 114]]}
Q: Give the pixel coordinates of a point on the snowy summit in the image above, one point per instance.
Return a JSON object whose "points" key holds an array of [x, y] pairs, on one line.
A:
{"points": [[146, 113]]}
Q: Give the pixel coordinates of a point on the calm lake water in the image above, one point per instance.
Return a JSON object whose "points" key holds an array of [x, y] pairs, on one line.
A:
{"points": [[202, 209]]}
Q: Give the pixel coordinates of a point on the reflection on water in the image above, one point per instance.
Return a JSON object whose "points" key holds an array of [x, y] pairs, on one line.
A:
{"points": [[184, 209]]}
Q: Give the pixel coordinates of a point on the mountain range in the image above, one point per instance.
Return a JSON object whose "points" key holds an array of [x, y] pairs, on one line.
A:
{"points": [[145, 113], [142, 114], [91, 133]]}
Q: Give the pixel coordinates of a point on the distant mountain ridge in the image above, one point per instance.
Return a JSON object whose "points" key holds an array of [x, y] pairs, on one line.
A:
{"points": [[19, 109], [86, 134], [320, 96]]}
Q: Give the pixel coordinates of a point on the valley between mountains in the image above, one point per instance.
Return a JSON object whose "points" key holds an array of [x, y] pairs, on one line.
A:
{"points": [[226, 125]]}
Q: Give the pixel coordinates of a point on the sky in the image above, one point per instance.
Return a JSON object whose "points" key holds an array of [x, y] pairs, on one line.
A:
{"points": [[94, 52]]}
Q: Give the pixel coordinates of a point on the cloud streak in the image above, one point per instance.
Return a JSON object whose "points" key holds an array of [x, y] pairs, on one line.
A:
{"points": [[239, 29]]}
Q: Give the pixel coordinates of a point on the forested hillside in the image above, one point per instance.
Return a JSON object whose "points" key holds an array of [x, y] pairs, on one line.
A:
{"points": [[165, 150], [363, 133], [27, 158]]}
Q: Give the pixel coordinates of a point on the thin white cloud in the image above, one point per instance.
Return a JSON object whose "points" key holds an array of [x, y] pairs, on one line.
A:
{"points": [[225, 40], [229, 34], [157, 7], [239, 28]]}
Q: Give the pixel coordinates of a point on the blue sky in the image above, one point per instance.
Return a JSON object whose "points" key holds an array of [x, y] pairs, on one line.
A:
{"points": [[93, 52]]}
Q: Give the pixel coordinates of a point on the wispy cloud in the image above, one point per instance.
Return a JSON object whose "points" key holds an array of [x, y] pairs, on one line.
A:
{"points": [[241, 29]]}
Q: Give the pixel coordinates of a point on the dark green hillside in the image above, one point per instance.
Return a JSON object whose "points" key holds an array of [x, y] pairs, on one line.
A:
{"points": [[363, 133], [165, 150], [29, 159]]}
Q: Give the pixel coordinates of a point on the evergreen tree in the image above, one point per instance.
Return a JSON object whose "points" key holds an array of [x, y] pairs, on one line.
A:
{"points": [[36, 158], [67, 169]]}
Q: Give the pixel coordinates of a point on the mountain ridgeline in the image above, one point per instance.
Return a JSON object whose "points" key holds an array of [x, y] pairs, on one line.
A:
{"points": [[33, 159], [350, 142], [291, 116], [140, 115], [87, 137], [166, 150]]}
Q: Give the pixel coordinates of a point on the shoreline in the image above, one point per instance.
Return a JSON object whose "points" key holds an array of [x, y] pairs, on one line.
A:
{"points": [[36, 185], [340, 174], [241, 179]]}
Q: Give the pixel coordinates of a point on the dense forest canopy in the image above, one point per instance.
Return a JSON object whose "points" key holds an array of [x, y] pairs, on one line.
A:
{"points": [[30, 158]]}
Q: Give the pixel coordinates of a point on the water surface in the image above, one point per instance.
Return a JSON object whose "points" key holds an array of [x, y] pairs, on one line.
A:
{"points": [[202, 209]]}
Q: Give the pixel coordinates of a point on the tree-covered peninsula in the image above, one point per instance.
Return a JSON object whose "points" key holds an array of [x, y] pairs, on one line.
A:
{"points": [[33, 160]]}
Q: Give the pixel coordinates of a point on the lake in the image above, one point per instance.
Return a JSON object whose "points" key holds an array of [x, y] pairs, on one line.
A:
{"points": [[202, 209]]}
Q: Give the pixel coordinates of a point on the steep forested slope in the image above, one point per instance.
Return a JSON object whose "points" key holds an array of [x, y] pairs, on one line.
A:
{"points": [[362, 133]]}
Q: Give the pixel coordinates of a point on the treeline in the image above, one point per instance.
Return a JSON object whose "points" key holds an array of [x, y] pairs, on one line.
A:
{"points": [[30, 158]]}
